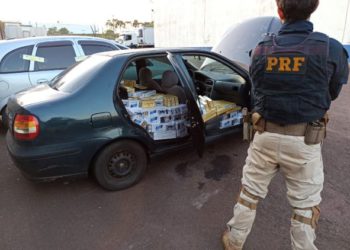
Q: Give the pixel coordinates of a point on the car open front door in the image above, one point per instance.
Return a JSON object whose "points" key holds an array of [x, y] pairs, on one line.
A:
{"points": [[223, 88], [195, 118]]}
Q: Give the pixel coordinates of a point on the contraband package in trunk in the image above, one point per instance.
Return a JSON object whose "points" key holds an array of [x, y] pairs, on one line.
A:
{"points": [[160, 115]]}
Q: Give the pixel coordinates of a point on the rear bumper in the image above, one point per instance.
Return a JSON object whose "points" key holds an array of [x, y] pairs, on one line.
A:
{"points": [[48, 163]]}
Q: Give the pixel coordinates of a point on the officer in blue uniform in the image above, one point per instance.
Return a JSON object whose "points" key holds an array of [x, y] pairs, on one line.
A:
{"points": [[295, 74]]}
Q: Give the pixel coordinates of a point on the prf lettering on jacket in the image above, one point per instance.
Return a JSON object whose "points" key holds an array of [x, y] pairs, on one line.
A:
{"points": [[286, 64]]}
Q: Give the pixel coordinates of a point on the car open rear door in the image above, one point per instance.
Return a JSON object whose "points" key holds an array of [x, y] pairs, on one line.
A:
{"points": [[195, 118]]}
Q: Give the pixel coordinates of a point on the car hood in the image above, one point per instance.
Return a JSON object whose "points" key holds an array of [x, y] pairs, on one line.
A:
{"points": [[240, 39], [39, 94]]}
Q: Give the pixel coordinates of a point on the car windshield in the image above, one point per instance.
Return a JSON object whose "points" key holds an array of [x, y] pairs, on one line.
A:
{"points": [[214, 66], [78, 75], [205, 64]]}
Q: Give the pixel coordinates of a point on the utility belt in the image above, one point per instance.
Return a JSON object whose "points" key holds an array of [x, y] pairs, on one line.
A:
{"points": [[313, 132]]}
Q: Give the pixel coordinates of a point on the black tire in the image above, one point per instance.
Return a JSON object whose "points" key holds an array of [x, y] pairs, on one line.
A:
{"points": [[3, 125], [120, 165]]}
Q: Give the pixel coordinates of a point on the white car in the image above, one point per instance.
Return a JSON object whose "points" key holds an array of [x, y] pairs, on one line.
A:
{"points": [[27, 62]]}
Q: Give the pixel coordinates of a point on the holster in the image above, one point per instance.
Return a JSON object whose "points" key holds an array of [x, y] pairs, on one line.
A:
{"points": [[316, 131], [247, 125]]}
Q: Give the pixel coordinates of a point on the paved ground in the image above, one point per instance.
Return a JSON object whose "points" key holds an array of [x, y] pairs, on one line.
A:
{"points": [[182, 203]]}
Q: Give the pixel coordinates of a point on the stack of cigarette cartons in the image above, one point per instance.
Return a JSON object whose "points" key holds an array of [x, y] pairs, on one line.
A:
{"points": [[228, 112], [132, 84], [231, 119], [128, 83], [161, 115]]}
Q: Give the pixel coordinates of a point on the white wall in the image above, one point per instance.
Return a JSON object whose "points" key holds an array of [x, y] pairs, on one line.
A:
{"points": [[202, 22]]}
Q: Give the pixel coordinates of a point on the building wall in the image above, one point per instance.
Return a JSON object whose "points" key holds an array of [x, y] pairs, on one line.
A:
{"points": [[12, 30], [202, 22]]}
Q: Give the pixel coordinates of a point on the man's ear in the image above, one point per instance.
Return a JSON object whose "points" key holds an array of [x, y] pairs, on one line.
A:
{"points": [[281, 14]]}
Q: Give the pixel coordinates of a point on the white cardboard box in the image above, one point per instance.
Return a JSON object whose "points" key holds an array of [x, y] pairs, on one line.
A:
{"points": [[142, 94]]}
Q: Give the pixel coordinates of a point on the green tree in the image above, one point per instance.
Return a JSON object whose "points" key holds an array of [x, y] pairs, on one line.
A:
{"points": [[63, 31], [109, 24], [109, 34], [135, 23], [114, 24], [52, 31], [148, 24]]}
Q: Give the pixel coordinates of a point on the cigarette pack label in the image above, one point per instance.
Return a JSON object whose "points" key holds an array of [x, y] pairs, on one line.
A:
{"points": [[148, 103]]}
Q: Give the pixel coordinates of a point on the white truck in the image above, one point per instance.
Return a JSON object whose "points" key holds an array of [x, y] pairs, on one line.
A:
{"points": [[138, 38]]}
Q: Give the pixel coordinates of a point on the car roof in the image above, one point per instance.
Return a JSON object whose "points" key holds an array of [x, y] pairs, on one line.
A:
{"points": [[153, 51], [8, 45], [147, 51]]}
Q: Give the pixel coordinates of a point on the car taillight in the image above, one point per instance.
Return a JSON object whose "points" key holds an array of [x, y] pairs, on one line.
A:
{"points": [[25, 127]]}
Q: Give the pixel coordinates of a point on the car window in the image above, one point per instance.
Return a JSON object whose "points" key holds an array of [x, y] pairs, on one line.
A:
{"points": [[79, 74], [209, 74], [121, 46], [13, 62], [158, 66], [90, 49], [130, 72], [55, 57], [206, 64]]}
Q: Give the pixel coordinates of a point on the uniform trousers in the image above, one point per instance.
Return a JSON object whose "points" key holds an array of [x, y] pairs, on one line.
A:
{"points": [[302, 167]]}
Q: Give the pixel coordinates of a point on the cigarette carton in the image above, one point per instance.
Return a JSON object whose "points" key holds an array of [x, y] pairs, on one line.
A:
{"points": [[129, 83], [146, 103], [131, 103], [209, 115], [141, 87], [142, 94], [139, 121], [166, 119], [170, 100], [164, 135]]}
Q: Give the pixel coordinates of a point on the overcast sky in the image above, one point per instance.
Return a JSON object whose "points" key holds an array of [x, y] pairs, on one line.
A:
{"points": [[74, 12]]}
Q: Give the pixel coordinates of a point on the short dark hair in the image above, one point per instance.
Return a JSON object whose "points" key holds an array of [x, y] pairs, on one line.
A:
{"points": [[294, 10]]}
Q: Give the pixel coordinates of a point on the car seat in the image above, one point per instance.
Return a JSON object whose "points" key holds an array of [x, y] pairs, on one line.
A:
{"points": [[145, 77], [170, 85]]}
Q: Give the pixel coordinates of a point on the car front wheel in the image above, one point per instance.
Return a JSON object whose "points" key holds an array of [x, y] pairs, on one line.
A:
{"points": [[120, 165]]}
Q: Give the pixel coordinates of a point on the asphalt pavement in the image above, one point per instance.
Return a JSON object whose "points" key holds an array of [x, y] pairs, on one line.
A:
{"points": [[182, 203]]}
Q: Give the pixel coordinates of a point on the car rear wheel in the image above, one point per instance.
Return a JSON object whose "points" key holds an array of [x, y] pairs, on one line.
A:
{"points": [[120, 165]]}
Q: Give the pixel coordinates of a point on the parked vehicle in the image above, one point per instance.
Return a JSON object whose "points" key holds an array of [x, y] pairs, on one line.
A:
{"points": [[138, 38], [79, 124], [239, 40], [25, 63]]}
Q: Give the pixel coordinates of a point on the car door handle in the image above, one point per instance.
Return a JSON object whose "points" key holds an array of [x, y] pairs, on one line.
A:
{"points": [[42, 81]]}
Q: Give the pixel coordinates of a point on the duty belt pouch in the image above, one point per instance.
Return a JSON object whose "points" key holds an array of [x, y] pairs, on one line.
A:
{"points": [[315, 132]]}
